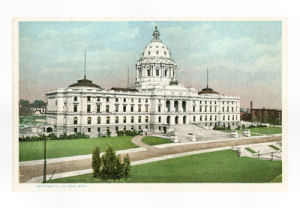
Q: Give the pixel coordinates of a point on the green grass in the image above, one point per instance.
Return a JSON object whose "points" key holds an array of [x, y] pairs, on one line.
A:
{"points": [[150, 140], [250, 150], [275, 148], [257, 131], [33, 150], [277, 179], [222, 166], [265, 130]]}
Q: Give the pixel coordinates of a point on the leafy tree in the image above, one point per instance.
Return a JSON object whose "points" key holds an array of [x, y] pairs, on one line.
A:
{"points": [[96, 162], [110, 165], [38, 103], [24, 103], [126, 166]]}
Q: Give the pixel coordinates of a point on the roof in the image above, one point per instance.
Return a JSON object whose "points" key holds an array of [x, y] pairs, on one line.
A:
{"points": [[84, 83], [207, 90], [124, 89]]}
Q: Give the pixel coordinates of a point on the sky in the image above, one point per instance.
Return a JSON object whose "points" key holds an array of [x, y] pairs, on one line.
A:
{"points": [[244, 58]]}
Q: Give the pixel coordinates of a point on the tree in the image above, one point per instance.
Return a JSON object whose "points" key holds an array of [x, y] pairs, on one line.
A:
{"points": [[38, 103], [96, 162], [126, 166], [24, 103], [110, 165]]}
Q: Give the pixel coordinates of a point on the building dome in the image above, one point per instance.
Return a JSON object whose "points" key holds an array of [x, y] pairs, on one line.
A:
{"points": [[155, 66], [85, 83]]}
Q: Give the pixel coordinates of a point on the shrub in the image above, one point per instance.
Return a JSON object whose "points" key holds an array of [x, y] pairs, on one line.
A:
{"points": [[96, 162], [108, 133], [52, 136], [127, 166], [109, 166]]}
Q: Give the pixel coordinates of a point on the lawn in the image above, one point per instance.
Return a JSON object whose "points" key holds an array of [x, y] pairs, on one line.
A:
{"points": [[214, 167], [33, 150], [150, 140], [264, 130]]}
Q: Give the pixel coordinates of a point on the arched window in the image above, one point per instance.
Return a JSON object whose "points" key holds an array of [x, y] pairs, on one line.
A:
{"points": [[75, 120], [107, 119], [89, 120]]}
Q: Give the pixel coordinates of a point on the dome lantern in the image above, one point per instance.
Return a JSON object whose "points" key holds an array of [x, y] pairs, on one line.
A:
{"points": [[155, 35]]}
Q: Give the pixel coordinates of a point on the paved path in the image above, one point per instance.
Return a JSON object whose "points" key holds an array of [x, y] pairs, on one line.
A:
{"points": [[29, 172]]}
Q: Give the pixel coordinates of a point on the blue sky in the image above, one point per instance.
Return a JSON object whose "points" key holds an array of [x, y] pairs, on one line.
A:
{"points": [[243, 57]]}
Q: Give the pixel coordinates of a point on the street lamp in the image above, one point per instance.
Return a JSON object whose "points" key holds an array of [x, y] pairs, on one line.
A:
{"points": [[45, 160]]}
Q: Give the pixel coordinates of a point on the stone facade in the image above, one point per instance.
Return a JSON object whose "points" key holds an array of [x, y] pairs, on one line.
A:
{"points": [[154, 103]]}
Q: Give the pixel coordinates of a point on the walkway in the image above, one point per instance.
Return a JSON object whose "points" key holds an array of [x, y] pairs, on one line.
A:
{"points": [[32, 171]]}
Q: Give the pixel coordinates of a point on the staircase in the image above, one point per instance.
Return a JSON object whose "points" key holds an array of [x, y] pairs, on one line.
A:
{"points": [[184, 132]]}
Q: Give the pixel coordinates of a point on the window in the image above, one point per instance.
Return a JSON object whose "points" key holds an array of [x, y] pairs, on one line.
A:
{"points": [[166, 72], [124, 119], [146, 108], [227, 109], [140, 119], [223, 117], [132, 100], [146, 119], [140, 100], [89, 130], [75, 130], [99, 120], [117, 119], [233, 117], [75, 108], [75, 98], [99, 129], [132, 108], [107, 99], [117, 100], [157, 72], [215, 102], [116, 108], [165, 53], [215, 108], [124, 108], [107, 108], [140, 108], [124, 128], [200, 108], [200, 118], [98, 108], [210, 109], [132, 128], [205, 108], [75, 120], [222, 109], [124, 100], [205, 117], [88, 108], [157, 52], [232, 109], [159, 108], [159, 128], [132, 119], [89, 98], [148, 72], [146, 100], [215, 117], [194, 118], [149, 53], [107, 119], [194, 108], [159, 119], [210, 118], [89, 120], [98, 98], [117, 128]]}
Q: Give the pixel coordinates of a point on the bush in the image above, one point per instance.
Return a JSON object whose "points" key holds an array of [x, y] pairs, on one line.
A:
{"points": [[96, 162], [52, 136], [109, 166], [108, 133]]}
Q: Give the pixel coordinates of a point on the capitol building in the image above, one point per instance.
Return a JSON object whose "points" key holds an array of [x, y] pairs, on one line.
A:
{"points": [[155, 103]]}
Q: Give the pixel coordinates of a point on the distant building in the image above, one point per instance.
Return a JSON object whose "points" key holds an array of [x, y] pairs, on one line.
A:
{"points": [[262, 115]]}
